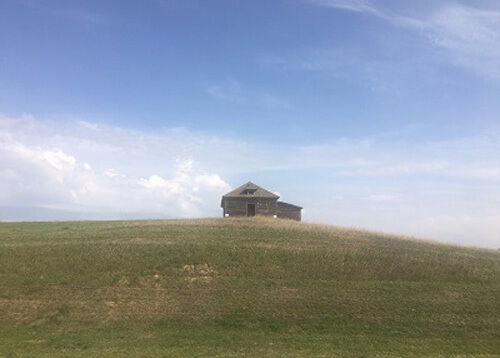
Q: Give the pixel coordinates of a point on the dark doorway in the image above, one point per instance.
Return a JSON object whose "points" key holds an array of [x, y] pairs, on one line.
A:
{"points": [[250, 209]]}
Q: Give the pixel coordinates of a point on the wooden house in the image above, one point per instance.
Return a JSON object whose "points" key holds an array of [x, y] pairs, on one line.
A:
{"points": [[251, 200]]}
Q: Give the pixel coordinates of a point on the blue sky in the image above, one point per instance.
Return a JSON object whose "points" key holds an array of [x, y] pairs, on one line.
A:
{"points": [[375, 114]]}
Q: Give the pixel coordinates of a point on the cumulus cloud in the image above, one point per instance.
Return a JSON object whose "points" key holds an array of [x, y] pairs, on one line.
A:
{"points": [[37, 174], [187, 190]]}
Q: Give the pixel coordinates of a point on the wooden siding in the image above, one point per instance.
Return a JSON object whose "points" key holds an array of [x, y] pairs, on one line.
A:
{"points": [[238, 206], [289, 211]]}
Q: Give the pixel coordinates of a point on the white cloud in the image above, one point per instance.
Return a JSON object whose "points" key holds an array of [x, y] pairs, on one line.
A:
{"points": [[52, 177], [189, 190], [42, 174]]}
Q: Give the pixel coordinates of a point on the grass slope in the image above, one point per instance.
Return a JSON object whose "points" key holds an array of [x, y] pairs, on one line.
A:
{"points": [[249, 287]]}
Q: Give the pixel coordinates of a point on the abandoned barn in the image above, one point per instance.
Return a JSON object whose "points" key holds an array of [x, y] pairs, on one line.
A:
{"points": [[251, 200]]}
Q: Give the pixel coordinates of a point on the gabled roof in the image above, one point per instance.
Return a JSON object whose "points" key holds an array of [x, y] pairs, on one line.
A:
{"points": [[288, 205], [243, 192]]}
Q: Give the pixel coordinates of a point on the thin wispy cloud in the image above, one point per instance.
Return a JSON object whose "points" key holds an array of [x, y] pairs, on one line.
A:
{"points": [[365, 6], [77, 15], [351, 5], [468, 158], [345, 64], [236, 93], [228, 91], [84, 17], [471, 35]]}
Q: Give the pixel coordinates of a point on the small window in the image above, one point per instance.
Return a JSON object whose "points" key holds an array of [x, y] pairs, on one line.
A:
{"points": [[249, 191]]}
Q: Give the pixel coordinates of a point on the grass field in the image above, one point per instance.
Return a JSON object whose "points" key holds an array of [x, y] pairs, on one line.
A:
{"points": [[249, 287]]}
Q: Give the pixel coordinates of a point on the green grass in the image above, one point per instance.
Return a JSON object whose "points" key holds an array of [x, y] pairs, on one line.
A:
{"points": [[249, 287]]}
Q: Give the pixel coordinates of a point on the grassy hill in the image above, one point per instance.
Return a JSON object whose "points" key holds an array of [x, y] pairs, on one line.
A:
{"points": [[249, 287]]}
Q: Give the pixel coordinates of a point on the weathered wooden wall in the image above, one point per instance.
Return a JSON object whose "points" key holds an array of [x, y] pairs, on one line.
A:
{"points": [[238, 206], [288, 211]]}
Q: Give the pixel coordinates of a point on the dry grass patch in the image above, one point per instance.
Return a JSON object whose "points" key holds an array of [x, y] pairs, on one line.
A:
{"points": [[107, 304]]}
